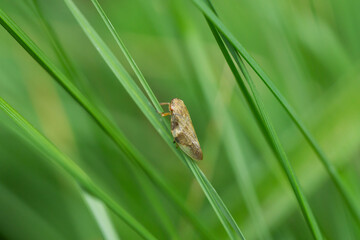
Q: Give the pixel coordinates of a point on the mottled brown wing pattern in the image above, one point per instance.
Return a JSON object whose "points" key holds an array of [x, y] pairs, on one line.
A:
{"points": [[183, 131]]}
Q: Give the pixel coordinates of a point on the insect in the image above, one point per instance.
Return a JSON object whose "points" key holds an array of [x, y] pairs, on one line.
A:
{"points": [[182, 128]]}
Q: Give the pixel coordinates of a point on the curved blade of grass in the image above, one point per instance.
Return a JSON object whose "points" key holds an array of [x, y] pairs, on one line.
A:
{"points": [[75, 74], [195, 54], [129, 58], [261, 117], [63, 161], [332, 171], [281, 155], [105, 124], [55, 43], [230, 138], [272, 139], [96, 207], [126, 53], [139, 98], [101, 217]]}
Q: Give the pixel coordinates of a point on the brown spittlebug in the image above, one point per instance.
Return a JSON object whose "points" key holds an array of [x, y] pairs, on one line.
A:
{"points": [[182, 129]]}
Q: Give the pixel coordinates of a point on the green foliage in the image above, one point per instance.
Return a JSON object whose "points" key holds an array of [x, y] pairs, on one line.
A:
{"points": [[103, 127], [53, 154]]}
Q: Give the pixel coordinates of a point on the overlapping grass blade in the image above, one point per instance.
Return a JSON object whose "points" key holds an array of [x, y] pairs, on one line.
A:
{"points": [[139, 98], [99, 215], [105, 124], [258, 110], [341, 186], [196, 54], [76, 75], [60, 159], [55, 43], [274, 141], [128, 57]]}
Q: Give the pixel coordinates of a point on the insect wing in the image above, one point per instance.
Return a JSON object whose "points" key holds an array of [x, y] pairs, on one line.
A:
{"points": [[185, 135]]}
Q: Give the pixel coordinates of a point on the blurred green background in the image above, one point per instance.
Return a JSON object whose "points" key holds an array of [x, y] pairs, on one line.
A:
{"points": [[311, 51]]}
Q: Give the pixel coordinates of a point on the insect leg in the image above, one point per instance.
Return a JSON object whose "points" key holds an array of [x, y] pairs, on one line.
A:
{"points": [[165, 114], [166, 103]]}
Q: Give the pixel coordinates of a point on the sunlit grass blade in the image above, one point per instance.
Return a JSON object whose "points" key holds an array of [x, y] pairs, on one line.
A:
{"points": [[105, 124], [217, 95], [341, 186], [76, 75], [277, 148], [69, 166], [55, 43], [258, 110], [126, 53], [101, 216], [97, 207], [155, 119], [129, 58]]}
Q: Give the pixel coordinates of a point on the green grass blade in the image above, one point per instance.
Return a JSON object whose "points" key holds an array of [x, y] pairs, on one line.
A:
{"points": [[341, 186], [129, 58], [252, 201], [126, 53], [258, 110], [276, 145], [270, 137], [58, 158], [97, 207], [155, 119], [75, 74], [55, 43], [101, 216], [195, 54], [106, 125]]}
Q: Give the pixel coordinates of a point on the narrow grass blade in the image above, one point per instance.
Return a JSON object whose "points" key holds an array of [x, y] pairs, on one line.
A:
{"points": [[129, 58], [95, 206], [258, 110], [226, 128], [341, 186], [217, 95], [55, 43], [155, 119], [105, 124], [101, 216], [70, 69], [277, 147], [58, 158], [126, 53], [74, 74], [272, 139]]}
